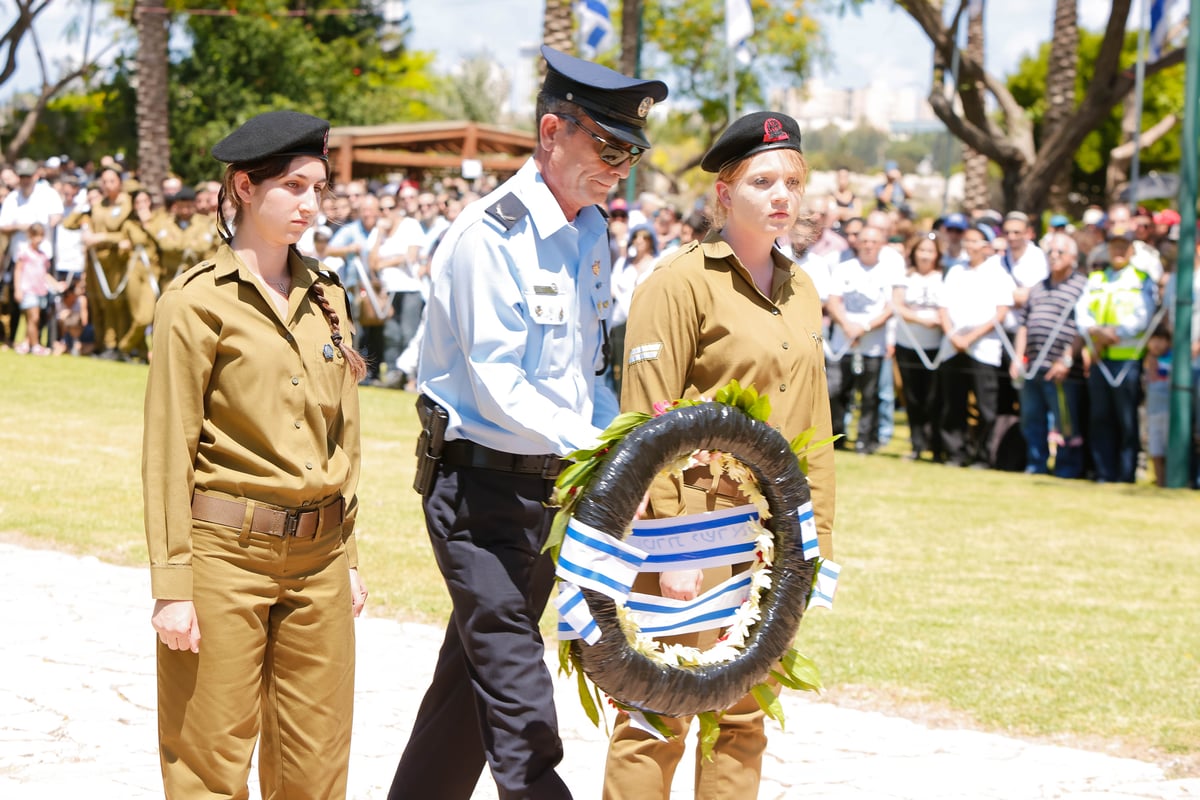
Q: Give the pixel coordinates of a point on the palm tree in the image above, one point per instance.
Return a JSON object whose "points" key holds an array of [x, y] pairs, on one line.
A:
{"points": [[1060, 91], [558, 28], [154, 144]]}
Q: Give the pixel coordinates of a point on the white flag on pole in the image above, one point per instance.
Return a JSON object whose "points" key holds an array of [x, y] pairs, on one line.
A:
{"points": [[739, 23]]}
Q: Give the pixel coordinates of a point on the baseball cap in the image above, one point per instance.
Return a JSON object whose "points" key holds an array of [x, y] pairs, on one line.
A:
{"points": [[1120, 231], [1059, 221], [1093, 216], [25, 167], [956, 221], [1168, 216]]}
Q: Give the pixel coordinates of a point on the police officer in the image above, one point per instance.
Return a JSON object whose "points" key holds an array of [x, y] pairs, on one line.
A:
{"points": [[731, 307], [250, 466], [513, 358]]}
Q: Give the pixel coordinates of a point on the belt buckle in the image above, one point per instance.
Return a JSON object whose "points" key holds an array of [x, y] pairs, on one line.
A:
{"points": [[291, 522]]}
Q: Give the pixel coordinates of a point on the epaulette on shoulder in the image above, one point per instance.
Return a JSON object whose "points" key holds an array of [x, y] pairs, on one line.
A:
{"points": [[191, 273], [507, 211], [684, 252]]}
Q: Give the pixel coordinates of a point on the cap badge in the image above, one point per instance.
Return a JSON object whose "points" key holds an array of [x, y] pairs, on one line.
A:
{"points": [[325, 143], [773, 131], [645, 106]]}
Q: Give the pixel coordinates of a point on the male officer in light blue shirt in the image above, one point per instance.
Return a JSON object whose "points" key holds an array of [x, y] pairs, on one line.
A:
{"points": [[512, 361]]}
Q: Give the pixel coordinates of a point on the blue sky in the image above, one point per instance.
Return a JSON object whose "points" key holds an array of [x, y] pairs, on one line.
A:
{"points": [[879, 43]]}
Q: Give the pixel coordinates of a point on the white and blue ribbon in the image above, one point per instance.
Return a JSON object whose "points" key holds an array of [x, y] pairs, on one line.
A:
{"points": [[592, 559], [825, 586], [716, 608], [808, 532], [574, 618], [698, 541]]}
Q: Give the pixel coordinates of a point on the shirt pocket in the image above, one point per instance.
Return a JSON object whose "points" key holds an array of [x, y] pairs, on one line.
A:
{"points": [[549, 306]]}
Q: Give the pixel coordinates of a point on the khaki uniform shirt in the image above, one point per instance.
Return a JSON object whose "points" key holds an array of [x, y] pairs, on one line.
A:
{"points": [[243, 403], [107, 220], [179, 247], [699, 321]]}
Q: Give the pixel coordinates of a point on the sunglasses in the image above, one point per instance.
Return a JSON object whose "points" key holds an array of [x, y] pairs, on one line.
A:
{"points": [[611, 154]]}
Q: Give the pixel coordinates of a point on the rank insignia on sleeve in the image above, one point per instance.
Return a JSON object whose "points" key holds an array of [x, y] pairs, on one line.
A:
{"points": [[645, 352]]}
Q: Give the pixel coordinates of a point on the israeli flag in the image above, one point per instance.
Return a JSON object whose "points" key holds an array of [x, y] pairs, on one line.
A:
{"points": [[595, 560], [825, 586], [739, 22], [1159, 27], [574, 617], [595, 27], [808, 532], [716, 608]]}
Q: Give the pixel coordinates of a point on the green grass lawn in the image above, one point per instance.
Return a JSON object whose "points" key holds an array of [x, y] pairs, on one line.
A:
{"points": [[1006, 602]]}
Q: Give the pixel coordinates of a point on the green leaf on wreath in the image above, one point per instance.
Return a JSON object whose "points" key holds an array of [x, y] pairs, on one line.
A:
{"points": [[768, 701], [760, 409], [585, 700], [801, 669], [558, 532], [710, 730], [564, 658], [620, 427]]}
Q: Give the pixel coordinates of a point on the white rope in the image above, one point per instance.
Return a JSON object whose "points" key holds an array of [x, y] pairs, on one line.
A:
{"points": [[145, 259], [102, 279], [931, 366], [365, 282], [1115, 381]]}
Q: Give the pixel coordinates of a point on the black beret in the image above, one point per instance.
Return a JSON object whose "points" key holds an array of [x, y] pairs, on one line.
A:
{"points": [[275, 133], [184, 194], [753, 133], [617, 103]]}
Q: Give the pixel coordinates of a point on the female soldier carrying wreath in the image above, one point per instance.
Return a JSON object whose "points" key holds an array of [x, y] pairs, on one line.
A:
{"points": [[732, 307], [250, 465]]}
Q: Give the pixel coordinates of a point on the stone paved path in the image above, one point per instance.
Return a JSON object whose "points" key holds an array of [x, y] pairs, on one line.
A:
{"points": [[77, 715]]}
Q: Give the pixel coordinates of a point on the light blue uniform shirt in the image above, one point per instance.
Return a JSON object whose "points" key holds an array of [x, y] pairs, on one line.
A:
{"points": [[513, 324]]}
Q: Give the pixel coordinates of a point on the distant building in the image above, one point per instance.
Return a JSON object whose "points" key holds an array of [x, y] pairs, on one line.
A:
{"points": [[896, 111]]}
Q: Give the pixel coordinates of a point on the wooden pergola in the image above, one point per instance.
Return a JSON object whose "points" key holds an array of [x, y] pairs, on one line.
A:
{"points": [[426, 145]]}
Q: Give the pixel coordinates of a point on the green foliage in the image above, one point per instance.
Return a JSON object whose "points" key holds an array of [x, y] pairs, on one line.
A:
{"points": [[768, 701], [710, 731], [89, 124], [332, 66], [685, 46], [474, 91], [1163, 94]]}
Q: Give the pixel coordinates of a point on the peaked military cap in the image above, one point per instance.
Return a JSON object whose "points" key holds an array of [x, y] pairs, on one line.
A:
{"points": [[752, 134], [275, 133], [185, 194], [617, 103]]}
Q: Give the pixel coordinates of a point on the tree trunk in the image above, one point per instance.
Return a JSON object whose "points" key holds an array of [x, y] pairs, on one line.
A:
{"points": [[1120, 158], [975, 164], [631, 21], [558, 29], [154, 144], [1060, 92]]}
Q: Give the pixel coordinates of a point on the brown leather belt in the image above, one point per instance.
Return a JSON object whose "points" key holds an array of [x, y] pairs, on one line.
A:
{"points": [[465, 453], [269, 519], [701, 478]]}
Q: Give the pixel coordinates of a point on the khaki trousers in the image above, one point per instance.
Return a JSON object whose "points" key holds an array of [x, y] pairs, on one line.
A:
{"points": [[140, 299], [276, 655], [110, 318], [640, 767]]}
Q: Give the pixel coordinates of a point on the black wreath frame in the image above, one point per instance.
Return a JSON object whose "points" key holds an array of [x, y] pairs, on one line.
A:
{"points": [[611, 501]]}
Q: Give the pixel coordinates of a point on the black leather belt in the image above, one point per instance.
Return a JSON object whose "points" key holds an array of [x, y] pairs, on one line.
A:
{"points": [[463, 453]]}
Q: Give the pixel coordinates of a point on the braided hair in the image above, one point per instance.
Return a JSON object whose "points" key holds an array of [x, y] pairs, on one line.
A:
{"points": [[354, 360]]}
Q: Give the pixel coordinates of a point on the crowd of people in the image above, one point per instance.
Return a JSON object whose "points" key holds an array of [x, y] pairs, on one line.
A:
{"points": [[1007, 350]]}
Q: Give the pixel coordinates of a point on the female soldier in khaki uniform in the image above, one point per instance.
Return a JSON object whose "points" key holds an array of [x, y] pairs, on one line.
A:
{"points": [[108, 250], [732, 307], [251, 460]]}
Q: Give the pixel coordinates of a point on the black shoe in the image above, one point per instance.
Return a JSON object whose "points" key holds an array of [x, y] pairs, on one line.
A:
{"points": [[112, 354]]}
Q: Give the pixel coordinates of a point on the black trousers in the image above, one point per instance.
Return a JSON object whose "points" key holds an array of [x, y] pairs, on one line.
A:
{"points": [[842, 385], [492, 696], [961, 375], [922, 400]]}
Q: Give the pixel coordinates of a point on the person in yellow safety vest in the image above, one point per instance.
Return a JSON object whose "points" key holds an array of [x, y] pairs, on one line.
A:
{"points": [[1113, 314]]}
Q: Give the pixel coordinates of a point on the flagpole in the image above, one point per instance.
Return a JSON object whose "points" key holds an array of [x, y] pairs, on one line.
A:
{"points": [[1179, 438], [732, 83], [1139, 87]]}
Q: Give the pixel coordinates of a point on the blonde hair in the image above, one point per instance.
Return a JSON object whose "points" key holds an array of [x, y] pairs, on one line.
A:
{"points": [[732, 173]]}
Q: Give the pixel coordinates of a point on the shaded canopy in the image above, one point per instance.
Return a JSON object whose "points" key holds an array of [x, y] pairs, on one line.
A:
{"points": [[369, 149]]}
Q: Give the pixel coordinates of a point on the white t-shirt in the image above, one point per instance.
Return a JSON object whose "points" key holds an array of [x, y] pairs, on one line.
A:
{"points": [[923, 294], [403, 277], [819, 270], [970, 296], [865, 292], [41, 204], [1028, 270]]}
